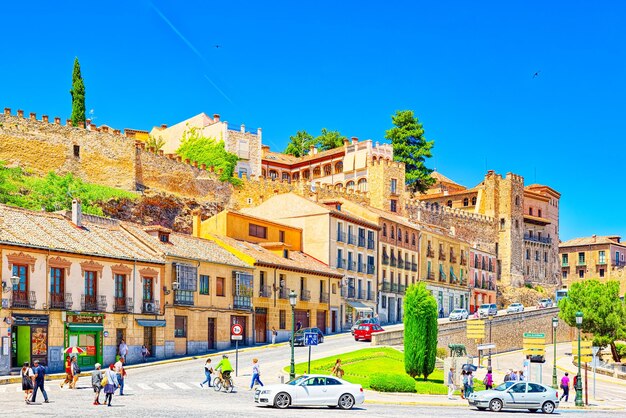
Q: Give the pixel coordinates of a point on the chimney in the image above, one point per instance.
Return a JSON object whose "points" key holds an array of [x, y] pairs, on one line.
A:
{"points": [[20, 113], [45, 119], [312, 150], [593, 237], [346, 142], [163, 126], [196, 223], [7, 111], [216, 117], [77, 213], [264, 150], [355, 140]]}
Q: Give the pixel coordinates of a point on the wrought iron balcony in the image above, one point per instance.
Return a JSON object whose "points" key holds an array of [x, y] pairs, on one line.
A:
{"points": [[305, 295], [351, 265], [619, 263], [442, 276], [452, 258], [430, 275], [407, 265], [370, 244], [341, 264], [371, 269], [535, 238], [394, 287], [123, 304], [463, 260], [93, 303], [60, 300], [324, 297], [370, 295], [413, 266], [442, 255], [265, 291], [401, 289], [361, 294], [361, 242], [430, 252], [341, 236], [283, 293], [400, 263], [385, 259], [386, 287], [23, 299], [361, 268], [393, 262], [351, 239]]}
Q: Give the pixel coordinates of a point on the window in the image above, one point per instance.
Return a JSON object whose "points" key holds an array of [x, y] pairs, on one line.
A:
{"points": [[393, 205], [516, 200], [164, 237], [362, 185], [581, 273], [180, 326], [539, 212], [516, 223], [281, 236], [601, 257], [204, 284], [466, 202], [565, 274], [565, 260], [383, 301], [536, 255], [527, 254], [242, 290], [282, 319], [257, 231], [399, 235], [530, 211], [394, 186], [518, 388], [535, 388], [545, 256], [120, 285], [413, 239], [449, 203], [77, 151], [90, 283], [385, 231], [56, 280], [581, 258], [327, 170], [350, 185], [474, 201], [393, 232], [502, 223], [338, 167], [601, 272], [340, 258], [219, 286], [187, 277]]}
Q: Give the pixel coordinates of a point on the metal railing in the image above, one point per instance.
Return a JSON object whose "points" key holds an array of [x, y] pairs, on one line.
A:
{"points": [[360, 268], [341, 263], [581, 263], [442, 255], [413, 266], [283, 293], [442, 276], [123, 304], [386, 287], [430, 252], [324, 297], [535, 238], [23, 299], [351, 293], [305, 295], [371, 269], [393, 262], [463, 260], [370, 244], [394, 287], [351, 239], [385, 260], [351, 265], [452, 258], [265, 291], [618, 263], [361, 242], [60, 300], [93, 303], [341, 236]]}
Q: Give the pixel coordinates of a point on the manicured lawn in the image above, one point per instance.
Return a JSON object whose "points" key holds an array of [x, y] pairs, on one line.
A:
{"points": [[359, 365]]}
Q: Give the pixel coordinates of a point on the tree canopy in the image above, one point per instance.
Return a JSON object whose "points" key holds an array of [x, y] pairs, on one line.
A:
{"points": [[329, 140], [208, 151], [420, 331], [300, 143], [411, 147], [78, 96], [604, 313]]}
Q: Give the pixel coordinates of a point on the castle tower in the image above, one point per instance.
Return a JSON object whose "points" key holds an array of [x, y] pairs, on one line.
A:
{"points": [[386, 185]]}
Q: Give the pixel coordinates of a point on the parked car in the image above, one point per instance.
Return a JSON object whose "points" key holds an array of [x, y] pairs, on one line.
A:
{"points": [[545, 303], [516, 395], [458, 315], [299, 335], [365, 331], [363, 321], [311, 390], [487, 309], [515, 307]]}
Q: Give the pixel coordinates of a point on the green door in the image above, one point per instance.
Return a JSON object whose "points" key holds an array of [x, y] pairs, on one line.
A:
{"points": [[90, 343], [23, 344]]}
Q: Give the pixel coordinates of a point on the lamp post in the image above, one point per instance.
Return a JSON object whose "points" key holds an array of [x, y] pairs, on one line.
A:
{"points": [[579, 383], [293, 299], [555, 324], [15, 281], [490, 341]]}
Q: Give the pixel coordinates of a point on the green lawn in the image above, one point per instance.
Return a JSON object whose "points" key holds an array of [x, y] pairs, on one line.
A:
{"points": [[360, 365]]}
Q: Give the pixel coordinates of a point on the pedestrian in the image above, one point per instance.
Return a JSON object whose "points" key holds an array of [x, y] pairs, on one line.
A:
{"points": [[145, 353], [470, 384], [451, 387], [111, 384], [521, 376], [514, 377], [488, 382], [298, 326], [274, 334], [464, 382], [40, 375], [256, 373], [565, 387], [123, 350], [337, 370], [121, 374], [27, 381], [441, 312], [526, 364], [96, 382], [75, 372], [68, 371], [208, 371]]}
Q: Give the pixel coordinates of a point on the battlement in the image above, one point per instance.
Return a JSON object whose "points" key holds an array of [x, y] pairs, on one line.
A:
{"points": [[415, 206], [372, 161], [514, 177]]}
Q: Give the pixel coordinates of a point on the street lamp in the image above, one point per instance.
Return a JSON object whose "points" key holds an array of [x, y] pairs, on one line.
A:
{"points": [[555, 324], [490, 341], [293, 299], [579, 383], [15, 281]]}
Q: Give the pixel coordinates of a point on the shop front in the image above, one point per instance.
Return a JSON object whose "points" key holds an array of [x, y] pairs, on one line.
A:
{"points": [[85, 331], [29, 339]]}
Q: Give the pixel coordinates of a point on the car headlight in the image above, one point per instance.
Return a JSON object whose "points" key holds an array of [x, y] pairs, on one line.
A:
{"points": [[265, 392]]}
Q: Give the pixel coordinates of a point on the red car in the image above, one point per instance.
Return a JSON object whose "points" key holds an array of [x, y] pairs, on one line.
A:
{"points": [[365, 331]]}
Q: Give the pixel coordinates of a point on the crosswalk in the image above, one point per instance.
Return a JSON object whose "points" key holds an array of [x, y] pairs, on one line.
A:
{"points": [[53, 386]]}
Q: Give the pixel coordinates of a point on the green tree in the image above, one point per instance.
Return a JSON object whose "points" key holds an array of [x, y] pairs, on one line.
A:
{"points": [[329, 140], [208, 151], [154, 142], [420, 331], [604, 313], [299, 144], [78, 96], [411, 148]]}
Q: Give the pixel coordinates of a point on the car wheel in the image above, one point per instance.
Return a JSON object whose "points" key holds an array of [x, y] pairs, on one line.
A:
{"points": [[356, 339], [346, 401], [548, 408], [282, 400], [533, 410], [495, 405]]}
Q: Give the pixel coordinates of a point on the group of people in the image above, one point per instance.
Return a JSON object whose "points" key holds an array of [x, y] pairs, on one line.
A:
{"points": [[514, 376], [33, 379], [108, 380], [467, 379], [224, 368], [565, 385]]}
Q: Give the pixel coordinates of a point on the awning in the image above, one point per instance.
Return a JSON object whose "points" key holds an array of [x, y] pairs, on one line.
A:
{"points": [[85, 327], [359, 306], [151, 322]]}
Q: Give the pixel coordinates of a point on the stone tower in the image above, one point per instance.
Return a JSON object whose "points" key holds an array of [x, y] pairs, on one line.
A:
{"points": [[386, 186]]}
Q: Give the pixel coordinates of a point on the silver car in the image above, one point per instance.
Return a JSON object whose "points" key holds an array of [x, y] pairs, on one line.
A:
{"points": [[458, 315], [487, 309], [515, 307], [516, 395]]}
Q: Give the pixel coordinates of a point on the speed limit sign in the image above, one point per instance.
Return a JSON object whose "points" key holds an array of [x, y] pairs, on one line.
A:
{"points": [[236, 331]]}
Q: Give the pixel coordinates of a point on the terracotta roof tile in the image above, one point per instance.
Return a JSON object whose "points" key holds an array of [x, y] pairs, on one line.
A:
{"points": [[597, 240]]}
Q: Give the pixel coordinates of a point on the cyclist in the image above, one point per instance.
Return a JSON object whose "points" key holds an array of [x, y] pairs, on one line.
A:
{"points": [[225, 368]]}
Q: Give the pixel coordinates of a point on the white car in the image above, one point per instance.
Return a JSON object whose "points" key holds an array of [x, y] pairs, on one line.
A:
{"points": [[458, 315], [515, 307], [311, 390]]}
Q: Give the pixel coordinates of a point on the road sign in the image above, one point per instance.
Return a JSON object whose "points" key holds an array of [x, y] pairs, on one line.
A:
{"points": [[586, 350], [534, 335], [534, 343], [482, 347], [236, 332], [475, 328], [310, 338]]}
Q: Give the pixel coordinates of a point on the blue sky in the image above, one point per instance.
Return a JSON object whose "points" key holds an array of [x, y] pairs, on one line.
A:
{"points": [[465, 68]]}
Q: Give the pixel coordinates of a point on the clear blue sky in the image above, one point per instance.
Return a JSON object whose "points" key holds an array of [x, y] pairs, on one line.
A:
{"points": [[465, 68]]}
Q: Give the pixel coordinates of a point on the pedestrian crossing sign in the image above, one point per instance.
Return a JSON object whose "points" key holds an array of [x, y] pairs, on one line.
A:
{"points": [[310, 338]]}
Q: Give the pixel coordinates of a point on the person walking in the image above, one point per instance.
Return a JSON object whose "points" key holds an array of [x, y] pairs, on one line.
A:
{"points": [[123, 350], [121, 374], [565, 387], [256, 373], [111, 384], [96, 383], [274, 334], [464, 381], [40, 375], [68, 371], [470, 384], [513, 376], [27, 381], [75, 372], [451, 387], [145, 353], [298, 326], [337, 370], [208, 371], [488, 382], [521, 377]]}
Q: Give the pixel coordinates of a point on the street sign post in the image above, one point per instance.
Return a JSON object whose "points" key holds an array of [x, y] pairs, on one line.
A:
{"points": [[534, 344], [236, 334], [310, 339], [586, 352], [595, 351]]}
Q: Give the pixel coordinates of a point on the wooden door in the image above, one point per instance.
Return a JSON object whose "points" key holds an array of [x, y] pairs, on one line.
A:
{"points": [[321, 321], [211, 334], [260, 326]]}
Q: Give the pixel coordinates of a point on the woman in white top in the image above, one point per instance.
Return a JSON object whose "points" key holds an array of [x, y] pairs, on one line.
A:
{"points": [[27, 381], [111, 384]]}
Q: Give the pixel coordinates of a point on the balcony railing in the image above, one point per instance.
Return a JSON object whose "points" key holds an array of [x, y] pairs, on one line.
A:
{"points": [[341, 264], [371, 269], [463, 261], [351, 293], [386, 287], [60, 300], [370, 244], [360, 268], [341, 236], [361, 242], [430, 275], [442, 255], [601, 262], [385, 260], [324, 297], [413, 266], [23, 299], [361, 294], [618, 263], [150, 306], [283, 293], [370, 295], [351, 239], [430, 252], [265, 291], [351, 265], [400, 263], [123, 304], [535, 238], [393, 262], [305, 295], [452, 258], [442, 276], [581, 263], [394, 287], [401, 288], [344, 292], [407, 265]]}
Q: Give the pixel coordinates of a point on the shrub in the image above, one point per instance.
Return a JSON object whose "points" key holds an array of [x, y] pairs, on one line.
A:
{"points": [[621, 349], [420, 331], [387, 382], [442, 352]]}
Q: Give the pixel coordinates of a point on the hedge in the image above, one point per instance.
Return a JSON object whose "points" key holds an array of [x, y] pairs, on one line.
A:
{"points": [[387, 382]]}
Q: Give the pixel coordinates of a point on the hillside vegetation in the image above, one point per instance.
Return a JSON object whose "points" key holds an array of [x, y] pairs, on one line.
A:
{"points": [[54, 192]]}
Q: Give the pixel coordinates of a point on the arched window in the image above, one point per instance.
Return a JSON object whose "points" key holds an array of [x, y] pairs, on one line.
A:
{"points": [[306, 174], [392, 232], [316, 172], [338, 186], [286, 177], [449, 203], [413, 239], [476, 265], [399, 235], [362, 185], [474, 201], [466, 202], [530, 211], [327, 170], [295, 176], [273, 174], [339, 167], [384, 230], [406, 238], [350, 185]]}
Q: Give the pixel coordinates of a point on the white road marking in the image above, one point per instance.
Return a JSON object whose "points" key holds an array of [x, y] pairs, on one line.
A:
{"points": [[162, 386], [181, 385], [144, 386]]}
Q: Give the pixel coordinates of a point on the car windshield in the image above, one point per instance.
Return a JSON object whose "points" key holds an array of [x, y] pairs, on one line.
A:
{"points": [[297, 380], [363, 327], [457, 311], [504, 386], [485, 306]]}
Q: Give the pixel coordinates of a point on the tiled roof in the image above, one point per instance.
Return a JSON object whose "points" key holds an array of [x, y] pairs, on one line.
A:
{"points": [[185, 246], [597, 240], [291, 160], [297, 260], [442, 179], [56, 232]]}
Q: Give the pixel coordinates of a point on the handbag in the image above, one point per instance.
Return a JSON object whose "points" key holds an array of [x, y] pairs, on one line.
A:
{"points": [[104, 380]]}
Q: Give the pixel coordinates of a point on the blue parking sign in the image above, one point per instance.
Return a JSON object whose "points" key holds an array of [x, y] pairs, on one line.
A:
{"points": [[310, 338]]}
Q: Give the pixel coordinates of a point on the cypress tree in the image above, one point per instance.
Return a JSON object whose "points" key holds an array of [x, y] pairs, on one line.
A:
{"points": [[78, 96], [420, 331]]}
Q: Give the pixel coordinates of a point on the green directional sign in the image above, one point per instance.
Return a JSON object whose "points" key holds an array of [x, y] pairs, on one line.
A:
{"points": [[534, 335]]}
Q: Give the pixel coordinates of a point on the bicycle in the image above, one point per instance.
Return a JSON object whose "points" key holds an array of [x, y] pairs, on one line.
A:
{"points": [[227, 383]]}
